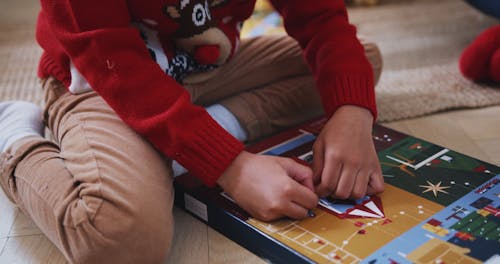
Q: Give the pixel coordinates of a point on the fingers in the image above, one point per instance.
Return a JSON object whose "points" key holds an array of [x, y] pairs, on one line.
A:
{"points": [[296, 193], [299, 172], [360, 185], [301, 200], [349, 180], [346, 182], [317, 164], [329, 179], [295, 202], [303, 196], [376, 183], [296, 211]]}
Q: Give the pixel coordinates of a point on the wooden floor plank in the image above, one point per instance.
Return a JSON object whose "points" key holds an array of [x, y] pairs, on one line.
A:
{"points": [[190, 243], [3, 241], [8, 214], [24, 226], [483, 125], [492, 148], [223, 250], [35, 249]]}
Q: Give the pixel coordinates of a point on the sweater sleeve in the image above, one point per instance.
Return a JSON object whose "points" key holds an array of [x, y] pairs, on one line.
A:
{"points": [[110, 54], [342, 72]]}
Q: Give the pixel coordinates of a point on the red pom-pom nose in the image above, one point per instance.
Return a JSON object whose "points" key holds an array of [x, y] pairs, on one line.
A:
{"points": [[207, 54]]}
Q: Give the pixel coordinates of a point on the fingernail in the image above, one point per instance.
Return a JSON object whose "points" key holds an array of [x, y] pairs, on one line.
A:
{"points": [[311, 213]]}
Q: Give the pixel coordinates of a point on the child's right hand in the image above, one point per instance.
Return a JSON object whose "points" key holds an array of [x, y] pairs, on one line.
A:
{"points": [[270, 187]]}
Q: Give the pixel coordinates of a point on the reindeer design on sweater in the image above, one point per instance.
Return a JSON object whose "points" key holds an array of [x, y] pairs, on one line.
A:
{"points": [[198, 33], [199, 44]]}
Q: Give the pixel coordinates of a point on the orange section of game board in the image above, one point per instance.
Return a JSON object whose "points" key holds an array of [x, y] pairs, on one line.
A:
{"points": [[326, 238]]}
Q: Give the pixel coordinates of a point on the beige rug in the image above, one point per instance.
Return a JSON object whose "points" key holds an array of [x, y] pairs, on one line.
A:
{"points": [[19, 56], [421, 42]]}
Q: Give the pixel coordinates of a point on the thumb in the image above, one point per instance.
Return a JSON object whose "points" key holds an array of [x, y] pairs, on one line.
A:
{"points": [[317, 165], [300, 173]]}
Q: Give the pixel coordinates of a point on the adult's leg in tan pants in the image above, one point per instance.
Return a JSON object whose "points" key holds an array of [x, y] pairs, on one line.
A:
{"points": [[267, 85], [100, 192]]}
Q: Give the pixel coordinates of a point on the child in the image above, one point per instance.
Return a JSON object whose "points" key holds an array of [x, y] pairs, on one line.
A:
{"points": [[131, 85]]}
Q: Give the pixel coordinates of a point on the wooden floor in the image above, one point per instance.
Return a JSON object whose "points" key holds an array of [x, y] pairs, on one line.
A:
{"points": [[472, 132]]}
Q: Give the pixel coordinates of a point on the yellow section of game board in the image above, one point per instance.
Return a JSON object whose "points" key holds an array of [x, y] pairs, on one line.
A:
{"points": [[327, 239], [438, 251]]}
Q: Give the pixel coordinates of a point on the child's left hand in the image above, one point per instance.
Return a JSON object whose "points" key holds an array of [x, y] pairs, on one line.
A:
{"points": [[345, 163]]}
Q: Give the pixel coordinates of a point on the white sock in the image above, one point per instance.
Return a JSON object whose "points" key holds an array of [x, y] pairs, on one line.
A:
{"points": [[227, 120], [19, 119]]}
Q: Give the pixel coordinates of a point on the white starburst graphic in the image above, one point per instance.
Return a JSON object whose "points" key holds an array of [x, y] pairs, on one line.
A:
{"points": [[434, 188]]}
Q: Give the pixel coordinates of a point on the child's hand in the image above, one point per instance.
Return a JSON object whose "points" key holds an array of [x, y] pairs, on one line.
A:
{"points": [[270, 187], [345, 163]]}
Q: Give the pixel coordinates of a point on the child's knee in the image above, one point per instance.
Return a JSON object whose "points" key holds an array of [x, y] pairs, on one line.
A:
{"points": [[120, 234]]}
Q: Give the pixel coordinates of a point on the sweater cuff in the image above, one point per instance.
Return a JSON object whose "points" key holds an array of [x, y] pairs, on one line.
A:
{"points": [[348, 90], [209, 151], [48, 67]]}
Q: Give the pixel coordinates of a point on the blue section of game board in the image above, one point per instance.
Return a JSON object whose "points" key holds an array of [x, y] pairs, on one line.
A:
{"points": [[292, 144], [480, 248]]}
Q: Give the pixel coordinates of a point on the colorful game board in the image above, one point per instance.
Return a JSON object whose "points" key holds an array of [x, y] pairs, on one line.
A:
{"points": [[467, 231], [439, 206], [264, 21]]}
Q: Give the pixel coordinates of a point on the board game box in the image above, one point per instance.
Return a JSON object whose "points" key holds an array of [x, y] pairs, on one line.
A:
{"points": [[439, 206]]}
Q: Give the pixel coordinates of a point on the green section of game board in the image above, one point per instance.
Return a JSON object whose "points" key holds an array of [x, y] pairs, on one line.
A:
{"points": [[460, 174], [479, 226], [420, 151]]}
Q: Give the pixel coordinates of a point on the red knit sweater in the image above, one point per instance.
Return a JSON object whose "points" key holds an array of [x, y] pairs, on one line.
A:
{"points": [[98, 39]]}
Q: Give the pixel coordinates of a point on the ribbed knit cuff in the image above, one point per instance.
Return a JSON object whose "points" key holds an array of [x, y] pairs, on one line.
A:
{"points": [[209, 151], [337, 91], [48, 67]]}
